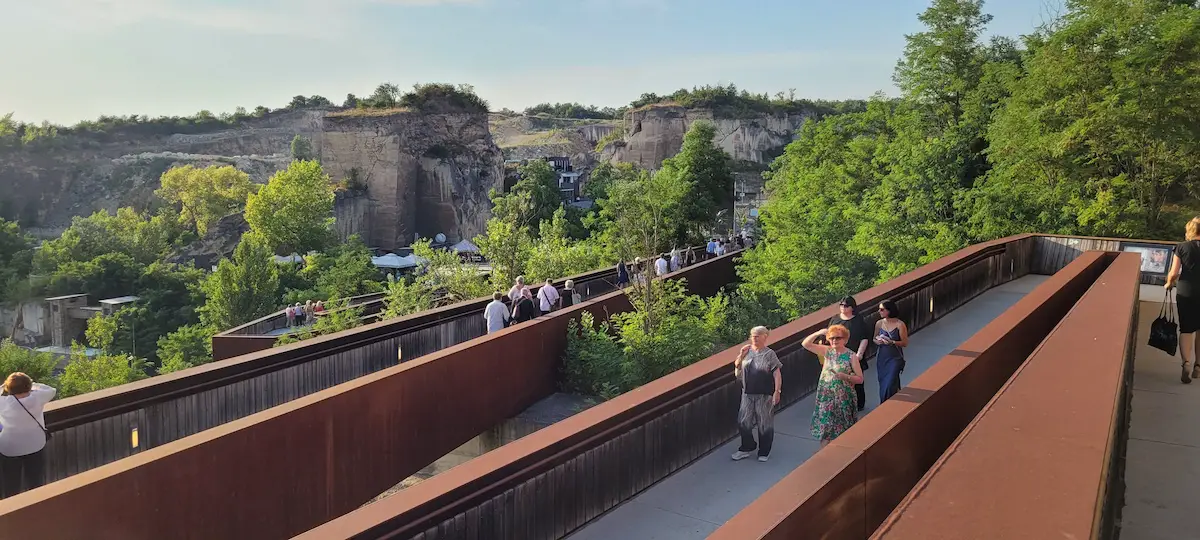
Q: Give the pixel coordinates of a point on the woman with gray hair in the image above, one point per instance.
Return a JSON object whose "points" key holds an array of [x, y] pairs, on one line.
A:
{"points": [[758, 368]]}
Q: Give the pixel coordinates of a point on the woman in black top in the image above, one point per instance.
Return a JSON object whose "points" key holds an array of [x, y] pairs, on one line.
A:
{"points": [[525, 309], [1184, 277], [860, 334]]}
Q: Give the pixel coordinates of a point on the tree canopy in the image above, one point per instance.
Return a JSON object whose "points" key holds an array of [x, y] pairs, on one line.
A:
{"points": [[204, 196], [293, 213]]}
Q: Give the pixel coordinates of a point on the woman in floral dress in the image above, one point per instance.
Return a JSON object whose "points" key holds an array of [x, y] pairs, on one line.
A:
{"points": [[836, 409]]}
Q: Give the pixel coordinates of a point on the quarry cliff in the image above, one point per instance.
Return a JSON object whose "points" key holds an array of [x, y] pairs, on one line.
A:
{"points": [[423, 174], [655, 132]]}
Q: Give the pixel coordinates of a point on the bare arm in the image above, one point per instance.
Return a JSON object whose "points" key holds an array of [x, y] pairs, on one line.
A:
{"points": [[862, 348], [811, 344], [857, 378], [1173, 273], [903, 342], [737, 362]]}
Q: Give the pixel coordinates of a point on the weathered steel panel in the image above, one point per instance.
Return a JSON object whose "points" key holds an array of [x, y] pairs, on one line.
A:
{"points": [[1068, 440], [885, 454]]}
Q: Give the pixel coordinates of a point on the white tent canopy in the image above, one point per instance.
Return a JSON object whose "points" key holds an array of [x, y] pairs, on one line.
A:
{"points": [[391, 260], [465, 246]]}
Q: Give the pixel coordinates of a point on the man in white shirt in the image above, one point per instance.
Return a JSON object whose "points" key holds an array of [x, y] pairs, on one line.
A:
{"points": [[514, 293], [660, 265], [496, 313], [548, 297]]}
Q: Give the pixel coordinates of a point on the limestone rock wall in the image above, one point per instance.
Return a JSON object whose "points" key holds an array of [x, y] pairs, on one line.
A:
{"points": [[655, 133], [45, 187], [424, 173]]}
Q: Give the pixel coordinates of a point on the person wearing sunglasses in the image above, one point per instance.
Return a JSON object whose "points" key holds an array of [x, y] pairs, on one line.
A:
{"points": [[835, 410], [860, 334], [891, 334]]}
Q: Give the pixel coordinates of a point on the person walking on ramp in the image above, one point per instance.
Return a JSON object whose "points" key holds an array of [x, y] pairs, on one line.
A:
{"points": [[757, 366], [836, 410]]}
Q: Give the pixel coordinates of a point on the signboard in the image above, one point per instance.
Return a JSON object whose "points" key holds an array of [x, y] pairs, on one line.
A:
{"points": [[1156, 258]]}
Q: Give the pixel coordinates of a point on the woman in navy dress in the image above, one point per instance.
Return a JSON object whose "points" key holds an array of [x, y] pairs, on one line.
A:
{"points": [[891, 335]]}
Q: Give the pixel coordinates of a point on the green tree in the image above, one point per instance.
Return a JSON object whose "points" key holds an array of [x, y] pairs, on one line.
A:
{"points": [[405, 298], [144, 239], [1100, 137], [243, 289], [16, 260], [204, 196], [302, 148], [341, 272], [814, 202], [85, 373], [603, 176], [705, 168], [641, 216], [186, 347], [540, 182], [507, 241], [667, 329], [14, 358], [294, 211], [945, 62], [443, 273], [106, 276], [556, 256]]}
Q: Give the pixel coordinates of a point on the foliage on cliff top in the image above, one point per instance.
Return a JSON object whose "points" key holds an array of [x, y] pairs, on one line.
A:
{"points": [[574, 110], [729, 102], [15, 134], [432, 98]]}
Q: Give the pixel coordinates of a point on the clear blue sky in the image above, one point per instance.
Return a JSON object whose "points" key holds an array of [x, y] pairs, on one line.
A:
{"points": [[67, 60]]}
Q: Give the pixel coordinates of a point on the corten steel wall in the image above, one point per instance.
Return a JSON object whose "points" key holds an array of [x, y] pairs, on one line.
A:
{"points": [[287, 469], [848, 488], [1042, 459], [96, 428], [1054, 252], [549, 483]]}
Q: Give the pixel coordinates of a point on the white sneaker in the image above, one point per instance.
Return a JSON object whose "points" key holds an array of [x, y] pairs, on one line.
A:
{"points": [[762, 459], [740, 455]]}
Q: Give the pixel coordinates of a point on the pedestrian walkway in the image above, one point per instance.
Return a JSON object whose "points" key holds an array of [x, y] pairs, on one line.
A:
{"points": [[696, 500], [1162, 463]]}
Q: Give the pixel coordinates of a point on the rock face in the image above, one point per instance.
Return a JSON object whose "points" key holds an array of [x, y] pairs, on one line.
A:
{"points": [[656, 132], [45, 187], [424, 174]]}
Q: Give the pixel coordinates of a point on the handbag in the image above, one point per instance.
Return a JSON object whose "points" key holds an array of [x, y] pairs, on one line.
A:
{"points": [[1164, 331], [44, 431]]}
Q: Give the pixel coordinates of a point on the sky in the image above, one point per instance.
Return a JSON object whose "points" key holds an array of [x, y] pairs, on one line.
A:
{"points": [[68, 60]]}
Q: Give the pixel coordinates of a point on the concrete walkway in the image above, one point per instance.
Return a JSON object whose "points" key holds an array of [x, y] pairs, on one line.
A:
{"points": [[696, 500], [1162, 467]]}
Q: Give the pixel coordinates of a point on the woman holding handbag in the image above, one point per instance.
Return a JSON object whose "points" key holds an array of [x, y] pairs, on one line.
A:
{"points": [[23, 434], [1184, 277], [891, 335]]}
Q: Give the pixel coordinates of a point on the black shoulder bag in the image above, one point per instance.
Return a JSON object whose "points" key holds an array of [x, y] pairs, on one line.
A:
{"points": [[1164, 331], [44, 431]]}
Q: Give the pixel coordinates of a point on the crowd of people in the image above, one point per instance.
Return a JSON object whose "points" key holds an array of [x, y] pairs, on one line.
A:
{"points": [[522, 303], [841, 348], [302, 314]]}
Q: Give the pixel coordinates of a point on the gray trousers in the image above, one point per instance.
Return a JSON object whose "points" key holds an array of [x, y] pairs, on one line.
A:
{"points": [[756, 411]]}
